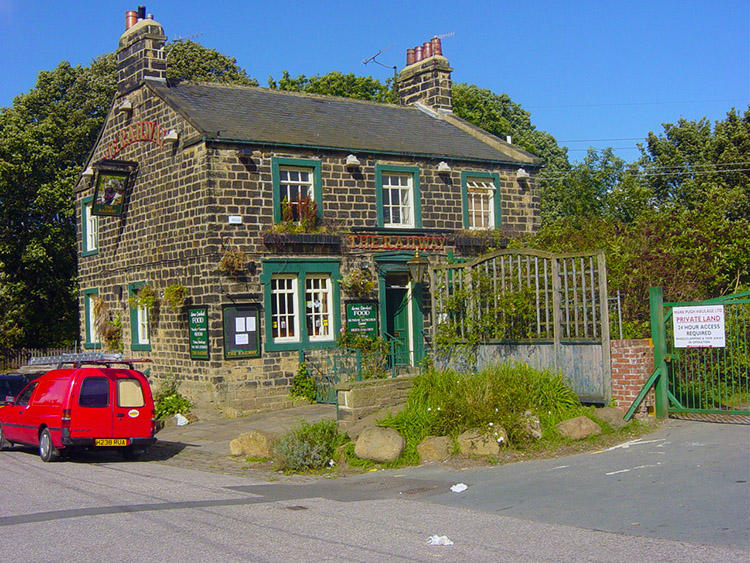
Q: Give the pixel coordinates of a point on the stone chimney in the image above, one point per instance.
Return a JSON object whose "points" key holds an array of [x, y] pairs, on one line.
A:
{"points": [[426, 77], [140, 53]]}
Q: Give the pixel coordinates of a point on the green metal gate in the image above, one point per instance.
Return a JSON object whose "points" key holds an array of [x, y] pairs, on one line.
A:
{"points": [[331, 366], [704, 379]]}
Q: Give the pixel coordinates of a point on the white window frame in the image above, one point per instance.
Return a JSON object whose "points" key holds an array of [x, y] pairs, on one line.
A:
{"points": [[405, 194], [288, 318], [480, 201], [91, 221], [305, 188], [319, 307], [143, 326], [92, 334]]}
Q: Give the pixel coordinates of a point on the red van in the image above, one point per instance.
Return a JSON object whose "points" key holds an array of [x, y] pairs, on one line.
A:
{"points": [[81, 408]]}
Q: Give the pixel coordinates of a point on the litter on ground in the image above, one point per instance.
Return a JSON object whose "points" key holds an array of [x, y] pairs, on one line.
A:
{"points": [[439, 540]]}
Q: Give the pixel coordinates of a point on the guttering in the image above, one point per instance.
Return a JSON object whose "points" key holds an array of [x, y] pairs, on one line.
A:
{"points": [[209, 139]]}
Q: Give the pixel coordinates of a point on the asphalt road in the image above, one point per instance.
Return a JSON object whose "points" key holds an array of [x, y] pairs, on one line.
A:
{"points": [[680, 494]]}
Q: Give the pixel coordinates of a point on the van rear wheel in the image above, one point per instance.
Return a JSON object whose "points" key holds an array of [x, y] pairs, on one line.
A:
{"points": [[47, 451]]}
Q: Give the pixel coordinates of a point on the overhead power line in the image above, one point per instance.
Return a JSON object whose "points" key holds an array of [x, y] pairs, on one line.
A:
{"points": [[638, 104]]}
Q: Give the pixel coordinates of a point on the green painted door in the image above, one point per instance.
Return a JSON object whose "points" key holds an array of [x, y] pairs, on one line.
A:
{"points": [[397, 317]]}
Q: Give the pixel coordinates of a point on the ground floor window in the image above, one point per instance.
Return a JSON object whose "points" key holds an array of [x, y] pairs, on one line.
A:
{"points": [[301, 300], [91, 336], [140, 322], [318, 307], [284, 321]]}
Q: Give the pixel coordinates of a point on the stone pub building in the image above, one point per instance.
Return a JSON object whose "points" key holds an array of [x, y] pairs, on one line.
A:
{"points": [[223, 231]]}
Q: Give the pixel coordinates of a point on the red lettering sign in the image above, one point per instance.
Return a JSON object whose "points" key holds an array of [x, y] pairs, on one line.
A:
{"points": [[396, 242], [148, 131]]}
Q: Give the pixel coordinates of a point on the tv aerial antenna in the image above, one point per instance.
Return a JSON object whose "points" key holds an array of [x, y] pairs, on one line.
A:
{"points": [[373, 59], [181, 39]]}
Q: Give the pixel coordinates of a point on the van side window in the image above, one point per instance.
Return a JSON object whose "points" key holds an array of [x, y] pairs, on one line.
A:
{"points": [[129, 393], [23, 398], [94, 392]]}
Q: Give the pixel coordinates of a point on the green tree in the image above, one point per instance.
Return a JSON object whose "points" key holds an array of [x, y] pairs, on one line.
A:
{"points": [[336, 84], [691, 162], [188, 60], [45, 138], [499, 115]]}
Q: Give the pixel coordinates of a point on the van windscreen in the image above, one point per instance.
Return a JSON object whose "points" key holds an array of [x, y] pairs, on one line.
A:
{"points": [[94, 392], [129, 393]]}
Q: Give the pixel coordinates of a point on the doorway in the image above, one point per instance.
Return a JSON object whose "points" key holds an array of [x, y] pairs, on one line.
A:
{"points": [[397, 316]]}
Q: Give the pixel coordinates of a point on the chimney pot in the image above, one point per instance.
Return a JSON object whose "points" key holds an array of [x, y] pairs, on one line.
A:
{"points": [[418, 56], [409, 57], [141, 13], [426, 50], [437, 47], [131, 17]]}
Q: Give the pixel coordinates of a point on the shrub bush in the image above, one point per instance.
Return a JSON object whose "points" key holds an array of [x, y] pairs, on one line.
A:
{"points": [[303, 384], [308, 446], [169, 401], [444, 403]]}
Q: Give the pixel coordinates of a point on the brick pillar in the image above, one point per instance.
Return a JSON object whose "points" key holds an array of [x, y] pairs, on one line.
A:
{"points": [[140, 55], [632, 363], [427, 81]]}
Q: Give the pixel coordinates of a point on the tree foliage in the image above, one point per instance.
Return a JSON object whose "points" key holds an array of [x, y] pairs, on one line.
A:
{"points": [[499, 115], [677, 218], [188, 60], [45, 139], [336, 84]]}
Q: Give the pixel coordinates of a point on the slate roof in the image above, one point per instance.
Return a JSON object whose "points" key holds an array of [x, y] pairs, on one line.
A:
{"points": [[265, 116]]}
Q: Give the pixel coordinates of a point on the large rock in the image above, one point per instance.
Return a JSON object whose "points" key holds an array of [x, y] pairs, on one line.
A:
{"points": [[379, 444], [255, 443], [483, 443], [613, 416], [435, 448], [531, 426], [578, 428]]}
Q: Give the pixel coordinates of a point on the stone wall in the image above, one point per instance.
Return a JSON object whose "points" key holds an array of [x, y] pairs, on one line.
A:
{"points": [[632, 364], [176, 224], [357, 399]]}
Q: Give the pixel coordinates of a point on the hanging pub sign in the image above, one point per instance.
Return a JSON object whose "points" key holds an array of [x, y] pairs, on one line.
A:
{"points": [[362, 318], [700, 326], [198, 333], [241, 332], [110, 192]]}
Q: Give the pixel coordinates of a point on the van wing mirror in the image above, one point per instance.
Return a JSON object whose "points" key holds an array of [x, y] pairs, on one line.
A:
{"points": [[10, 400]]}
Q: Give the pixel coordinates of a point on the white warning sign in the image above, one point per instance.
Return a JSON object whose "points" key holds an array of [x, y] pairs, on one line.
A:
{"points": [[698, 326]]}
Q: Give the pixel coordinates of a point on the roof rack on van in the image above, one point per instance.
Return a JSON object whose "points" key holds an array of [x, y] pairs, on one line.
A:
{"points": [[85, 358]]}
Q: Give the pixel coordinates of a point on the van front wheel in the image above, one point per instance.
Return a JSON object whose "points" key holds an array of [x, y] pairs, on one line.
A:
{"points": [[47, 451], [4, 444]]}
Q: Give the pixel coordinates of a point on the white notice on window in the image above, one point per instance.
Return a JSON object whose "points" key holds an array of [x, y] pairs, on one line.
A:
{"points": [[239, 324], [241, 339], [250, 324]]}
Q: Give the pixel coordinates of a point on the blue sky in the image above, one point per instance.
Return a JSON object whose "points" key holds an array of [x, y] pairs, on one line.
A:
{"points": [[591, 73]]}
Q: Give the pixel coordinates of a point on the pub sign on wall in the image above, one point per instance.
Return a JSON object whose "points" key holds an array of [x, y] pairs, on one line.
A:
{"points": [[241, 331]]}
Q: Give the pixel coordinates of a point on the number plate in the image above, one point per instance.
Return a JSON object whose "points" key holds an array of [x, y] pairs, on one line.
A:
{"points": [[111, 442]]}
